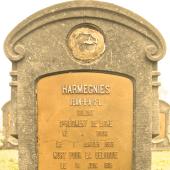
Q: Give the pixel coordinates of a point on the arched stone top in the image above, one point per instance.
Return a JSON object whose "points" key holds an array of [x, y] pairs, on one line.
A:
{"points": [[85, 9], [164, 106], [6, 107]]}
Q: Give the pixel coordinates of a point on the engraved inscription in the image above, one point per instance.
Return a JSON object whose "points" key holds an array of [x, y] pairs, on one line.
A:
{"points": [[85, 121], [86, 89]]}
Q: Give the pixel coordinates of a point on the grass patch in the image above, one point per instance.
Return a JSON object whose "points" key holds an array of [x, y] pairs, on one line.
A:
{"points": [[160, 160], [8, 160]]}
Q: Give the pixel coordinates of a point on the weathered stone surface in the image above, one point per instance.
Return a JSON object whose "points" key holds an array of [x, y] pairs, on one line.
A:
{"points": [[39, 47]]}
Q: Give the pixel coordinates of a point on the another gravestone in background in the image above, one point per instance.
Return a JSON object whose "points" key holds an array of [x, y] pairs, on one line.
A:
{"points": [[10, 140], [162, 141], [83, 76]]}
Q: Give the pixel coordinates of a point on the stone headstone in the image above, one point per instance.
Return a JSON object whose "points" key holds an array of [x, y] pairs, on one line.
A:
{"points": [[84, 73], [162, 141], [10, 139]]}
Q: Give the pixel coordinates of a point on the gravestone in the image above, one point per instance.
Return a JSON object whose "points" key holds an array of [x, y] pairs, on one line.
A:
{"points": [[83, 76], [162, 141], [10, 139]]}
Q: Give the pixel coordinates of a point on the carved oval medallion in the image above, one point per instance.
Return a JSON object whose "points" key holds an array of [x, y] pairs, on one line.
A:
{"points": [[86, 44]]}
